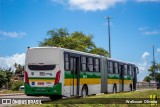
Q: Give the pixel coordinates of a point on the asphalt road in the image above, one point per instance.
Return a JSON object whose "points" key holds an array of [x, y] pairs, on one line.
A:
{"points": [[10, 100], [22, 96]]}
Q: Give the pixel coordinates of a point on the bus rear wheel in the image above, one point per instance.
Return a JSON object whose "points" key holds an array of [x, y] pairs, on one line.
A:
{"points": [[130, 87], [114, 89], [84, 92], [55, 97]]}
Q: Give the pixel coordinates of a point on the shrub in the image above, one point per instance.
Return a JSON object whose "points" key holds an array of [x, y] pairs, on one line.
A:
{"points": [[16, 84]]}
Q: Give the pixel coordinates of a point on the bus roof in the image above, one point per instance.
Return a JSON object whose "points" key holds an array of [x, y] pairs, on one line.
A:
{"points": [[120, 61], [84, 53], [68, 50]]}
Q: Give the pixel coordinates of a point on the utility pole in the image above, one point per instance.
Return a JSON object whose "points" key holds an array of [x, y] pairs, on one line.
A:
{"points": [[154, 63], [109, 43]]}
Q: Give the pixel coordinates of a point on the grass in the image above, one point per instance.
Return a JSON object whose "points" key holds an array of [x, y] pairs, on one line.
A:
{"points": [[99, 99], [9, 92]]}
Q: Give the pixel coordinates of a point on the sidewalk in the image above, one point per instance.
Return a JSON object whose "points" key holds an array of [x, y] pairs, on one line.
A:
{"points": [[12, 94]]}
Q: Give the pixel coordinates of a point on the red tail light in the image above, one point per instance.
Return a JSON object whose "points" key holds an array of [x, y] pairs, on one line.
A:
{"points": [[26, 77], [57, 77]]}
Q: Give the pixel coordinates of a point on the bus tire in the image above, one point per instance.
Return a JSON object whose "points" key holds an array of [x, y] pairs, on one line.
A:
{"points": [[114, 89], [55, 97], [84, 91], [130, 87], [28, 95]]}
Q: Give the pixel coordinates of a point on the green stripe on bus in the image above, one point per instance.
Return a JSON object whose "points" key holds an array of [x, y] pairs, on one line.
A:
{"points": [[68, 74]]}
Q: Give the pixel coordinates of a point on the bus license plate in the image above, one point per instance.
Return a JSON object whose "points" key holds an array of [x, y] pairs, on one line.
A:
{"points": [[40, 83]]}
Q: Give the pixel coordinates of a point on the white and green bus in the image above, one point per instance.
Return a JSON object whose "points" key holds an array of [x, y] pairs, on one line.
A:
{"points": [[57, 72]]}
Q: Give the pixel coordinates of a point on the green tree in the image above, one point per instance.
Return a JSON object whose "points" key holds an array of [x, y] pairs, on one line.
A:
{"points": [[154, 72], [99, 51], [9, 74], [76, 41], [18, 67], [3, 78], [158, 77], [16, 84], [147, 78]]}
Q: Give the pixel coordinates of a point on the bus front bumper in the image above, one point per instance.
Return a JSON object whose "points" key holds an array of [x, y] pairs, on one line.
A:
{"points": [[45, 91]]}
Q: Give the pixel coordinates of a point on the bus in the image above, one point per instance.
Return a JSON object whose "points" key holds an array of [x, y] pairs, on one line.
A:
{"points": [[57, 72]]}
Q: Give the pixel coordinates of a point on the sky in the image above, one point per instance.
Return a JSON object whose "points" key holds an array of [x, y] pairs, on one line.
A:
{"points": [[135, 27]]}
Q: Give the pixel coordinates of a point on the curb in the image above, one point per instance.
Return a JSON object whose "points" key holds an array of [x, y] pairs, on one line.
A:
{"points": [[12, 94]]}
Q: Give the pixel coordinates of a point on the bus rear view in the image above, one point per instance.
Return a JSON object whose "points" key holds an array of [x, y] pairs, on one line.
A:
{"points": [[42, 72]]}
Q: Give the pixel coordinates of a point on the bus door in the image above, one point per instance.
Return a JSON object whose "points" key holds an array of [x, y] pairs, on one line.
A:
{"points": [[75, 76], [121, 78]]}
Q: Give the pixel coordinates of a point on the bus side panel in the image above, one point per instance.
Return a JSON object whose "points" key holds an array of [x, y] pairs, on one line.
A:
{"points": [[65, 87], [92, 80], [127, 81]]}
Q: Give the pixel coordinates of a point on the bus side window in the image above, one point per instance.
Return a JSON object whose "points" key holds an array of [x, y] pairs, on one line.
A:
{"points": [[83, 63], [115, 68], [66, 62], [125, 69], [96, 65], [110, 67], [120, 69], [130, 70], [90, 64]]}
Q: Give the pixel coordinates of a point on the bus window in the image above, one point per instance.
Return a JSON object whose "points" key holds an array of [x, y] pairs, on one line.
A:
{"points": [[83, 63], [125, 69], [96, 65], [90, 64], [115, 68], [120, 69], [66, 61], [72, 64], [110, 67], [130, 70]]}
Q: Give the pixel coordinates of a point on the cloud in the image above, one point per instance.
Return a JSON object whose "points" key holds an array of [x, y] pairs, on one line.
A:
{"points": [[13, 34], [146, 31], [143, 28], [145, 54], [9, 61], [90, 5], [151, 32], [158, 50], [147, 0], [94, 5], [143, 67]]}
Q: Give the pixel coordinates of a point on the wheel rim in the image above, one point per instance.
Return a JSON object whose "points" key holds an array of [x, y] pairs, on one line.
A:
{"points": [[114, 90]]}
